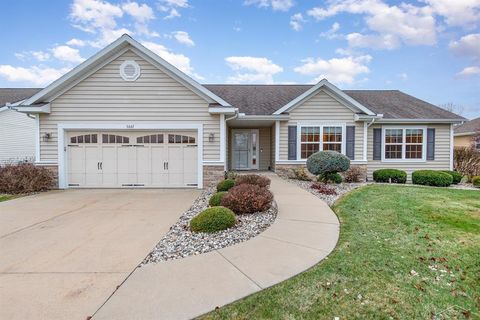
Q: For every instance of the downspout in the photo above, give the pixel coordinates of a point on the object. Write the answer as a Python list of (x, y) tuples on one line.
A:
[(235, 116)]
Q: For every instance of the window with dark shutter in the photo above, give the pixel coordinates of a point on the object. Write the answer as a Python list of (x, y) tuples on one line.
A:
[(292, 142), (377, 144), (350, 139), (431, 144)]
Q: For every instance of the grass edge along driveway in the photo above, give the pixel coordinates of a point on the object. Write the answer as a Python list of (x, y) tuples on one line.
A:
[(404, 252)]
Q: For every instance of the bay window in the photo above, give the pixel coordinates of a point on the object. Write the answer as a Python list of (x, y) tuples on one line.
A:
[(404, 144), (318, 138)]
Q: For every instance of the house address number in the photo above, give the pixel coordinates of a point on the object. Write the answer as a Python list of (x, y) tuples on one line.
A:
[(130, 126)]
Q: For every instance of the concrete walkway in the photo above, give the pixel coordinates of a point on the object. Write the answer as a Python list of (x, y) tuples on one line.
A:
[(305, 232)]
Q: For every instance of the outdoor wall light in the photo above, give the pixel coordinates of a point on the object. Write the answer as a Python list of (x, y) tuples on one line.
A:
[(46, 137), (211, 137)]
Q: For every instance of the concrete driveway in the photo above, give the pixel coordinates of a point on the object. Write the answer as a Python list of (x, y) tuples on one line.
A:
[(62, 253)]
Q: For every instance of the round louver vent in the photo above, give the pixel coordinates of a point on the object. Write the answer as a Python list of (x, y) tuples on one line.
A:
[(130, 70)]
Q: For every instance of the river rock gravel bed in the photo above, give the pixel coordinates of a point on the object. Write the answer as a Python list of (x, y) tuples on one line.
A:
[(180, 242), (340, 189)]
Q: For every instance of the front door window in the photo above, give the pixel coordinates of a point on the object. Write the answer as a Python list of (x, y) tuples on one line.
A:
[(245, 149)]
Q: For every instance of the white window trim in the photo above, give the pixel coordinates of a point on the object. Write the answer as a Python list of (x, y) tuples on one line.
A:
[(404, 143), (321, 125), (63, 128)]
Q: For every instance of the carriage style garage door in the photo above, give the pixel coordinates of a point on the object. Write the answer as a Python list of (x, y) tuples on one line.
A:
[(132, 159)]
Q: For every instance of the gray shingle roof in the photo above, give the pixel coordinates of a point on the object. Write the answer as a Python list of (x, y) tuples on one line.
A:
[(469, 126), (266, 99), (11, 95)]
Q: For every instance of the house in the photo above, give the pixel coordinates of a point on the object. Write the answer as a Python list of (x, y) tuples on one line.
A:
[(125, 117), (468, 134), (17, 130)]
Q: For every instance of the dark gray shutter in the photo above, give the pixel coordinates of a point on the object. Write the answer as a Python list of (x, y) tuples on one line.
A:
[(350, 139), (377, 144), (292, 142), (431, 144)]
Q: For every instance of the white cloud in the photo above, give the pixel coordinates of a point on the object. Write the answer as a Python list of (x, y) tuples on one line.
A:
[(76, 42), (337, 70), (37, 55), (296, 21), (38, 76), (462, 13), (277, 5), (252, 69), (171, 6), (183, 38), (66, 53), (468, 46), (332, 32), (180, 61), (385, 41), (469, 72), (410, 24), (90, 15), (142, 14)]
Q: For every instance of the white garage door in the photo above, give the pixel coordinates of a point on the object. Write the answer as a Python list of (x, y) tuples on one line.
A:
[(132, 159)]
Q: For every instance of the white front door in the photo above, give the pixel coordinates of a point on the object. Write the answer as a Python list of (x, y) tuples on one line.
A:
[(245, 148), (132, 159)]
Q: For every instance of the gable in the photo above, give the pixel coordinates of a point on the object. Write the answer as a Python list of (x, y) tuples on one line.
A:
[(106, 86), (118, 47), (321, 106)]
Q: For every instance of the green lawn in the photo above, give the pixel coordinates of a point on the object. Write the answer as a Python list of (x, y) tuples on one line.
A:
[(5, 197), (404, 253)]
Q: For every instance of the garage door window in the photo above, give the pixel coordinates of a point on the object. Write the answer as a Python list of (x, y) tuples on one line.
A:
[(153, 138), (86, 138), (111, 138), (177, 138)]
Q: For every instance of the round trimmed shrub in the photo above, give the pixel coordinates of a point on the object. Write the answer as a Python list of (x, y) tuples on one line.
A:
[(213, 219), (255, 179), (225, 185), (476, 181), (216, 199), (431, 178), (390, 175), (248, 198), (457, 176), (330, 178), (324, 162)]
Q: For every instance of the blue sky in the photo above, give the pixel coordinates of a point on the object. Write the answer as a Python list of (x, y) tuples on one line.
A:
[(428, 48)]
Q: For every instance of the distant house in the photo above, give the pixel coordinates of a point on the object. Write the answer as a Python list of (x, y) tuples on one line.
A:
[(468, 134), (17, 130)]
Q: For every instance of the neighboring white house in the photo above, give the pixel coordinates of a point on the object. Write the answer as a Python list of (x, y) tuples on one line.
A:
[(17, 130)]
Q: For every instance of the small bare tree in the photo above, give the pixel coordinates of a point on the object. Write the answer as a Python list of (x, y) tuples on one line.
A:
[(452, 107)]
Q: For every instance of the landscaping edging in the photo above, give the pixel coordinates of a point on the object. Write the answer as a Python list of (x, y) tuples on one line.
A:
[(340, 189), (180, 242)]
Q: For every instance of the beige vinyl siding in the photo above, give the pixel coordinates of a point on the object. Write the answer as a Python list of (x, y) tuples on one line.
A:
[(264, 151), (442, 153), (321, 107), (17, 137), (155, 97)]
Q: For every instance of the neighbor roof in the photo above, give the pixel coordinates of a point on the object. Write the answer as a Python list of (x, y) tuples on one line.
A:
[(11, 95), (471, 126), (266, 99)]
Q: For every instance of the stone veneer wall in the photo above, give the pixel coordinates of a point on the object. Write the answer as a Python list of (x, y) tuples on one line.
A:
[(285, 170), (212, 175)]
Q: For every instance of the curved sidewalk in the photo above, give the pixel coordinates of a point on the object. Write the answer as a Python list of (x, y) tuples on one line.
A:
[(305, 232)]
